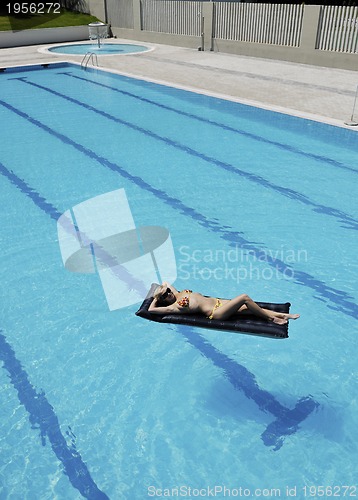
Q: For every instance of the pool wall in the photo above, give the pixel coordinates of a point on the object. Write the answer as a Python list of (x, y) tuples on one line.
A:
[(43, 35)]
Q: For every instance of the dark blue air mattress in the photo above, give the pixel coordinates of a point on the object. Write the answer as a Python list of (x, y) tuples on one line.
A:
[(238, 323)]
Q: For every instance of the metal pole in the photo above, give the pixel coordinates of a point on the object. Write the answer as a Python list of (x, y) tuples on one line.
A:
[(200, 15), (105, 11), (202, 32), (353, 123)]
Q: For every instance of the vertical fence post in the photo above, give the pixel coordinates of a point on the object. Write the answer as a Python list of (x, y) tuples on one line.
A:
[(207, 13), (310, 27), (137, 18)]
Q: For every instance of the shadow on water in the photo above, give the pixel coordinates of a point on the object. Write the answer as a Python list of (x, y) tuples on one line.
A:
[(287, 421)]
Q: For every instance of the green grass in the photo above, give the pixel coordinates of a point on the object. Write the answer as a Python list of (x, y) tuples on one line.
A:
[(51, 20)]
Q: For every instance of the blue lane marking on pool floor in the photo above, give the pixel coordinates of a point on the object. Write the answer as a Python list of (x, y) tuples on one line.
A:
[(42, 414), (30, 192), (350, 222), (286, 423), (341, 300), (244, 133)]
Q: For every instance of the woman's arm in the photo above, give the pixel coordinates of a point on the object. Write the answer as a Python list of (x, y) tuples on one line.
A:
[(173, 308), (169, 285)]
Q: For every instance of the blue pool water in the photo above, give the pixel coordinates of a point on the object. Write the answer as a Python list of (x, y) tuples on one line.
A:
[(101, 404), (103, 49)]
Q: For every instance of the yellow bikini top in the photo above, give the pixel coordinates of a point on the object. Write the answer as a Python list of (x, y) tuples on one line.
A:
[(184, 302)]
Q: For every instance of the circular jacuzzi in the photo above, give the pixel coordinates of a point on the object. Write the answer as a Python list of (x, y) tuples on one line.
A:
[(105, 49)]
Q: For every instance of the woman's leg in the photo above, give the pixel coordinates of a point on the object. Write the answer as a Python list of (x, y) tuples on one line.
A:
[(282, 315), (242, 303)]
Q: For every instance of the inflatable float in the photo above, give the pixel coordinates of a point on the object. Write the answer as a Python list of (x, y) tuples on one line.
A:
[(239, 323)]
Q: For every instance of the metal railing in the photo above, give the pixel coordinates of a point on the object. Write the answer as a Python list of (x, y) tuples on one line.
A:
[(352, 122), (174, 17), (338, 29), (90, 57), (276, 24)]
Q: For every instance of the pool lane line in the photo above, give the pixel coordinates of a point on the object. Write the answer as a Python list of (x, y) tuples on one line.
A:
[(286, 423), (42, 415), (101, 254), (342, 217), (244, 133), (339, 299), (30, 192), (287, 420)]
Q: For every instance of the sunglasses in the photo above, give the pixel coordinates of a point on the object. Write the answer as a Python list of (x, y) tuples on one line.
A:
[(165, 294)]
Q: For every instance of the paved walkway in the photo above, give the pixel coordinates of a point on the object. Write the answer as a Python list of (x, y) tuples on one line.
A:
[(325, 94)]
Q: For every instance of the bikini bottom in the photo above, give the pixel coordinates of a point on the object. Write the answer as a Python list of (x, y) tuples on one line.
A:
[(217, 305)]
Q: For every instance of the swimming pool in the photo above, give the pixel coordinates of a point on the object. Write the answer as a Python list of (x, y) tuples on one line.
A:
[(103, 404)]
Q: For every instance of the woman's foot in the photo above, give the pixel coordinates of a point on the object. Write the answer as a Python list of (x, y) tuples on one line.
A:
[(291, 316), (282, 318), (278, 320)]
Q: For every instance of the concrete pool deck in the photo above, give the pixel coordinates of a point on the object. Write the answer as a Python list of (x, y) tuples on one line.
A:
[(324, 94)]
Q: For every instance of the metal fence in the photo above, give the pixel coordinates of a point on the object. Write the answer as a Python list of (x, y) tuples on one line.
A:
[(271, 24), (174, 17), (338, 29), (276, 24)]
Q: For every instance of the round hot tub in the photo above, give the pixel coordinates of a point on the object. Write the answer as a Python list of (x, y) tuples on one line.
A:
[(105, 49)]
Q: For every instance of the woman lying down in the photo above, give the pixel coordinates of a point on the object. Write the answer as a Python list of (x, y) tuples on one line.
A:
[(167, 300)]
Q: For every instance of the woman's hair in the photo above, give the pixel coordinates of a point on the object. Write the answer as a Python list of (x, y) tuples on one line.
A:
[(157, 295), (161, 303)]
